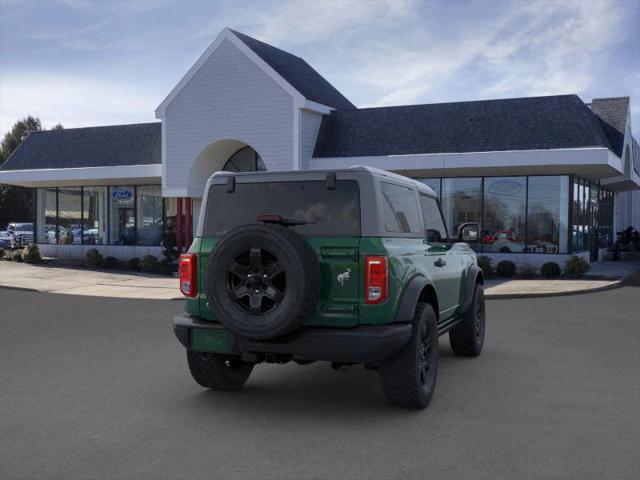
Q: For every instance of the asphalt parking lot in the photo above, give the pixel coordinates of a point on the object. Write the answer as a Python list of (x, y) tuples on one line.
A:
[(98, 388)]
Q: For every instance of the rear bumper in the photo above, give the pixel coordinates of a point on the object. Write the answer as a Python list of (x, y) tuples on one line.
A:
[(358, 344)]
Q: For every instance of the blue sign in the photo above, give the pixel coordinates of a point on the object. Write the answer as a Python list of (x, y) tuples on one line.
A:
[(122, 194)]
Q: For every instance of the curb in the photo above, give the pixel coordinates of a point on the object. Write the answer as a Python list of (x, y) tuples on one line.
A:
[(506, 296), (25, 289), (488, 296)]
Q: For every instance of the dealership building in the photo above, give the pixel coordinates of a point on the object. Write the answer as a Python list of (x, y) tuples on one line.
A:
[(546, 177)]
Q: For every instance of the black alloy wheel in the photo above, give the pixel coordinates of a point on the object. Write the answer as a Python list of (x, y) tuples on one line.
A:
[(257, 281)]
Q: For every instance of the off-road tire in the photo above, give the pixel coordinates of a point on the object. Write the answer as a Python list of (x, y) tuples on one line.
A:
[(467, 338), (403, 381), (301, 268), (218, 372)]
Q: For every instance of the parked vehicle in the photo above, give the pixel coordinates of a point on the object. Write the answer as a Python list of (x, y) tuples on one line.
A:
[(348, 266), (18, 235)]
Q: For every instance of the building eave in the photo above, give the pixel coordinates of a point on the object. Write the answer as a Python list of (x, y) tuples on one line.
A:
[(593, 163), (85, 176)]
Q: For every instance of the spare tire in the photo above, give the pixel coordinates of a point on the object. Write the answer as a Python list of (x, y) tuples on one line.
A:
[(262, 281)]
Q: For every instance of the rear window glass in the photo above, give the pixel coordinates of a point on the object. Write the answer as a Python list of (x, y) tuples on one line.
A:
[(327, 212)]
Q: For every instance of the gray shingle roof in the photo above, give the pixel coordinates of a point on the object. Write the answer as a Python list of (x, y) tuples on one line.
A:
[(613, 115), (532, 123), (114, 145), (298, 73)]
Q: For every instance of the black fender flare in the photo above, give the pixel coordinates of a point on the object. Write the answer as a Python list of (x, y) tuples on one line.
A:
[(473, 275), (410, 297)]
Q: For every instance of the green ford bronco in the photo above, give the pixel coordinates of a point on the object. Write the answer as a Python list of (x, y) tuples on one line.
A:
[(348, 266)]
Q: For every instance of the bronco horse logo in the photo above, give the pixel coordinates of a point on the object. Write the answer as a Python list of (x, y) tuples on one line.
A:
[(344, 276)]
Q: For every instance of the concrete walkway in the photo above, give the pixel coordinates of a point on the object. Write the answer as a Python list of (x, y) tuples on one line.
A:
[(75, 281), (545, 288)]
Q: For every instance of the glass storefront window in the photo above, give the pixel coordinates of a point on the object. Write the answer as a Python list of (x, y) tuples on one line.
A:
[(122, 218), (69, 216), (461, 203), (149, 215), (547, 215), (504, 215), (171, 219), (46, 216), (94, 215)]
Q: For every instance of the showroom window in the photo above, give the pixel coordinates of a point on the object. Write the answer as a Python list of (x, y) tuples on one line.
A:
[(461, 203), (69, 216), (122, 216), (171, 216), (46, 215), (504, 215), (399, 209), (149, 215), (547, 214), (495, 202), (94, 215)]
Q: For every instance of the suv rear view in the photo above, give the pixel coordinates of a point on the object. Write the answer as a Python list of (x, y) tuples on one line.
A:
[(307, 266)]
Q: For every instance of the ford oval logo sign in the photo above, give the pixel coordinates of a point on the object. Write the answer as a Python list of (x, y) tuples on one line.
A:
[(506, 187), (122, 194)]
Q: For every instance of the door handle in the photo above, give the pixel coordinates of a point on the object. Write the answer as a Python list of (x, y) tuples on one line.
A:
[(439, 263)]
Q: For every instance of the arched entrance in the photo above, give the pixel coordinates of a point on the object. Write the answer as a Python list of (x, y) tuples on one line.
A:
[(244, 160), (228, 155)]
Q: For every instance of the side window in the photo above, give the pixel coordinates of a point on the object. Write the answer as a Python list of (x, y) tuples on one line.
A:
[(435, 231), (400, 209)]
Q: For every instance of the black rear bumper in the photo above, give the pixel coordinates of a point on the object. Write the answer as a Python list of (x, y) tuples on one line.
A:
[(369, 343)]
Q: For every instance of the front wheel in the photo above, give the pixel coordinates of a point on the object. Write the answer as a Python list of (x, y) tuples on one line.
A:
[(409, 379), (218, 372)]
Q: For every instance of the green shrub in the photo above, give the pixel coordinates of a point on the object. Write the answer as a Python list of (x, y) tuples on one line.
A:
[(506, 268), (16, 256), (31, 254), (94, 259), (485, 265), (149, 263), (165, 268), (527, 271), (110, 262), (1, 254), (576, 267), (133, 263), (550, 270)]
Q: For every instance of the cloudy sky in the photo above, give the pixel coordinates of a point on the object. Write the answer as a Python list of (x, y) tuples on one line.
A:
[(84, 63)]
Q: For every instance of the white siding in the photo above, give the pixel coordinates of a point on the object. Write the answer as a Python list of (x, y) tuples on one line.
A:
[(228, 98), (309, 126)]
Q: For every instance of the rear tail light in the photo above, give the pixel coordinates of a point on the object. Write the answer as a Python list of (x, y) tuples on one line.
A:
[(188, 275), (376, 280)]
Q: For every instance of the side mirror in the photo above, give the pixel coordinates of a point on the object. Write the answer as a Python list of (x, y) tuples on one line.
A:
[(469, 232)]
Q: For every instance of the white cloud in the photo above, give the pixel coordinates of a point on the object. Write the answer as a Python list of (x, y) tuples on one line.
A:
[(73, 101), (534, 48), (315, 21)]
